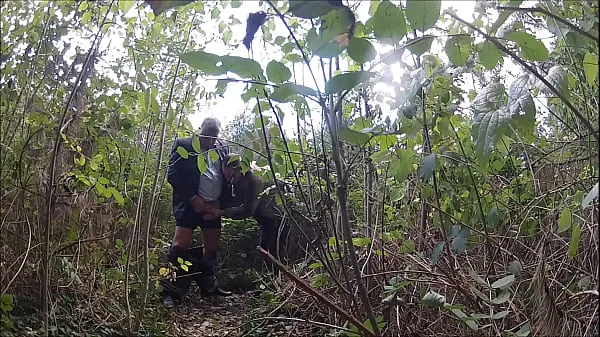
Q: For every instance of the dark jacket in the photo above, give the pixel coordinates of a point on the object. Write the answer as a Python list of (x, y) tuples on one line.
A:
[(257, 199), (184, 177)]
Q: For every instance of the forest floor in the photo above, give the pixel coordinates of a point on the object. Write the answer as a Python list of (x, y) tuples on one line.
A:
[(232, 316)]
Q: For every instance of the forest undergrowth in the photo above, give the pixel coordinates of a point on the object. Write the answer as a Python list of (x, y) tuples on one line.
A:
[(440, 165)]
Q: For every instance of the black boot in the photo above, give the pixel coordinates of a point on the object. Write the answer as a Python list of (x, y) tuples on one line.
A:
[(207, 279), (176, 284)]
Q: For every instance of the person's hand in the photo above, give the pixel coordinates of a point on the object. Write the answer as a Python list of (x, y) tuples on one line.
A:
[(213, 214), (198, 204)]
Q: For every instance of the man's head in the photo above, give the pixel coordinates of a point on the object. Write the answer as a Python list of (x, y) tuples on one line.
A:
[(231, 166), (209, 131)]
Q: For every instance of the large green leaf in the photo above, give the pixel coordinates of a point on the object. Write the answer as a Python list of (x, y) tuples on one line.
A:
[(201, 163), (565, 220), (491, 116), (575, 238), (591, 196), (433, 300), (389, 24), (530, 47), (590, 67), (310, 9), (182, 152), (423, 15), (427, 167), (207, 63), (243, 67), (160, 6), (203, 61), (504, 282), (520, 100), (286, 92), (361, 50), (458, 49), (354, 137), (320, 46), (558, 78), (469, 321), (489, 54), (346, 81), (503, 15), (196, 144), (277, 72), (420, 45)]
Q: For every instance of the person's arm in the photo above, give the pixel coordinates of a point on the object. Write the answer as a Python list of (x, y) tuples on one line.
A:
[(176, 176), (248, 206)]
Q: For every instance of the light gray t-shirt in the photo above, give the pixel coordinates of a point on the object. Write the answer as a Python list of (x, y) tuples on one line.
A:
[(211, 181)]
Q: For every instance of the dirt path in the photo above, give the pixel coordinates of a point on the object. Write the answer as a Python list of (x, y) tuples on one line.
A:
[(209, 317)]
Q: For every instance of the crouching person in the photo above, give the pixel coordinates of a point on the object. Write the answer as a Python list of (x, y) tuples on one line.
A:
[(256, 201)]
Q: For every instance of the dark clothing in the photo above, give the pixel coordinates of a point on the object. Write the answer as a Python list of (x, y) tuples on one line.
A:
[(201, 271), (184, 177), (258, 201)]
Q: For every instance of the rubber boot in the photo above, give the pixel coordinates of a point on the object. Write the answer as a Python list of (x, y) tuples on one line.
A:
[(176, 284), (207, 280)]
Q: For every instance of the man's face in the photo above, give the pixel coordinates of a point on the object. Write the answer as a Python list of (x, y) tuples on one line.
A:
[(208, 142), (231, 172)]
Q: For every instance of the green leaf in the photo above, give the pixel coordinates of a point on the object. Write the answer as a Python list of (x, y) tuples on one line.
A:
[(321, 46), (433, 300), (458, 49), (558, 78), (160, 6), (491, 117), (423, 15), (214, 14), (354, 137), (277, 72), (310, 9), (524, 331), (118, 197), (241, 66), (504, 282), (493, 217), (182, 152), (515, 268), (565, 220), (420, 45), (346, 81), (180, 260), (201, 163), (469, 321), (184, 267), (361, 50), (503, 15), (489, 55), (530, 48), (575, 238), (286, 91), (125, 5), (437, 251), (590, 67), (591, 196), (7, 299), (519, 98), (389, 24), (213, 155), (196, 144), (427, 167), (501, 314), (203, 61), (459, 242)]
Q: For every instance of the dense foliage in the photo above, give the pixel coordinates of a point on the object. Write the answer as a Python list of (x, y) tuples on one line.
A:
[(442, 170)]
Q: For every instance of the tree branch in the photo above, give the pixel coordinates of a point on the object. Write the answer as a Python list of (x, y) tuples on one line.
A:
[(529, 68), (315, 293), (552, 15)]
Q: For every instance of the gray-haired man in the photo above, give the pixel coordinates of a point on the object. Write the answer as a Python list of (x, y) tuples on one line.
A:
[(195, 195)]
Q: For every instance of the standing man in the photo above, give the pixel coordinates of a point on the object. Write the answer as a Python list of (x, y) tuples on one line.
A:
[(196, 194)]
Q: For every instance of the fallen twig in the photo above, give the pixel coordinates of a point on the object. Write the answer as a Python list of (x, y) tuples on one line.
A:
[(315, 293)]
